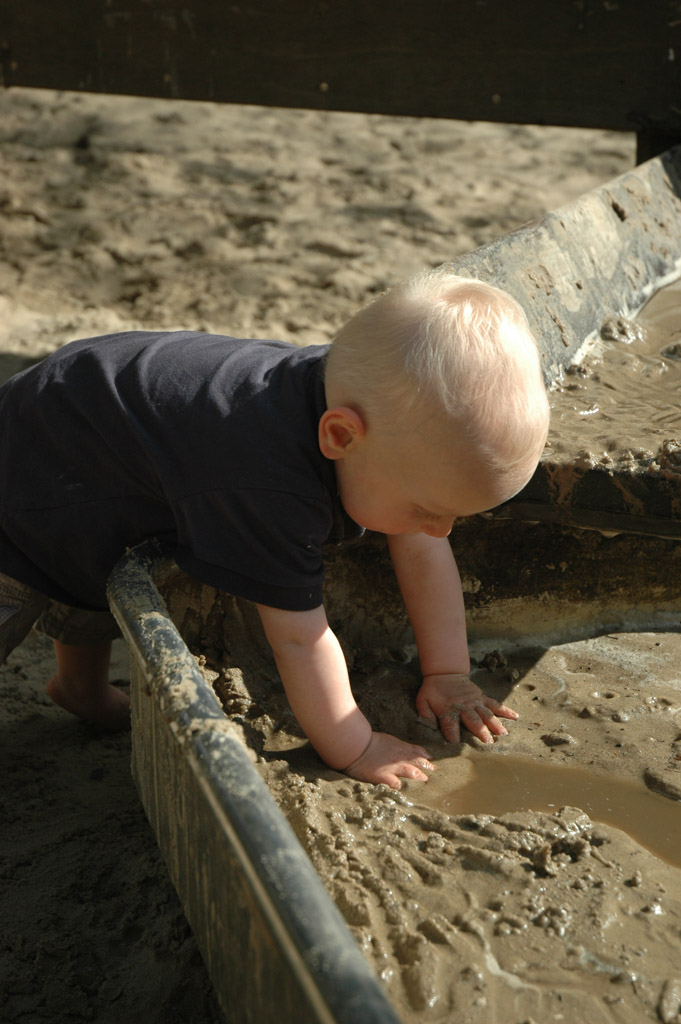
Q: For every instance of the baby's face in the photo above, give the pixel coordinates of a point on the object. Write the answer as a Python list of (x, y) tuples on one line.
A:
[(398, 490)]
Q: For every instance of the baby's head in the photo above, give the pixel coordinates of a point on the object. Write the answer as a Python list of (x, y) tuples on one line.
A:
[(439, 378)]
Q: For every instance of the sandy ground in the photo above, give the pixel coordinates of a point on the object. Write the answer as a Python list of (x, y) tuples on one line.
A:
[(119, 213)]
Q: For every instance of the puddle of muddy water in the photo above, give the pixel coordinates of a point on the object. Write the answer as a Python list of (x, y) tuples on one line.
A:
[(502, 784)]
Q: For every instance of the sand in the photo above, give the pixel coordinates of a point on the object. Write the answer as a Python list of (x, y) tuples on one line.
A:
[(119, 213)]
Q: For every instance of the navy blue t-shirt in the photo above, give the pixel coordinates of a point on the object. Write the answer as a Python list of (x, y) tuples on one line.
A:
[(204, 441)]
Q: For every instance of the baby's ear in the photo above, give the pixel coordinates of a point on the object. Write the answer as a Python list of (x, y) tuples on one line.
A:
[(340, 430)]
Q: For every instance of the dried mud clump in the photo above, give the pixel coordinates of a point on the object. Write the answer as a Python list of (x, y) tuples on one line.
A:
[(619, 328)]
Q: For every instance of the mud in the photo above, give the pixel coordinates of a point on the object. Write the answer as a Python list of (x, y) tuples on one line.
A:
[(538, 878), (613, 458), (516, 783), (620, 403)]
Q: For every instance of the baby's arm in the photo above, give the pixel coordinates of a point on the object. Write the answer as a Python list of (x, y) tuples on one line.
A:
[(315, 676), (431, 588)]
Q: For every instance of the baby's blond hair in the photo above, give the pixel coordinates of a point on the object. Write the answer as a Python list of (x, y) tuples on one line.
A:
[(447, 348)]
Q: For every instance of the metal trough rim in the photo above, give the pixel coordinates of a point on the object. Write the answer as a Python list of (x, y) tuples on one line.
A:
[(303, 920)]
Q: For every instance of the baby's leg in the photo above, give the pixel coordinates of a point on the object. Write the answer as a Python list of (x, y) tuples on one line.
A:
[(82, 685)]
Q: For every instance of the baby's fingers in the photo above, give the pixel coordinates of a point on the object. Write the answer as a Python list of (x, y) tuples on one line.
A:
[(388, 759), (475, 724), (492, 722), (406, 770), (502, 710), (450, 726), (483, 723)]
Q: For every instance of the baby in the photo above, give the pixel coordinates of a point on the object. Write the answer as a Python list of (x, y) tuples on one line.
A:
[(246, 457)]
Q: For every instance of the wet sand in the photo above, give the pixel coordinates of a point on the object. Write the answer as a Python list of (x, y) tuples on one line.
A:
[(620, 404), (538, 877), (118, 213)]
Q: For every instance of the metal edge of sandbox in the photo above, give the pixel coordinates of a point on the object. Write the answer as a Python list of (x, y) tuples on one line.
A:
[(274, 944), (601, 255)]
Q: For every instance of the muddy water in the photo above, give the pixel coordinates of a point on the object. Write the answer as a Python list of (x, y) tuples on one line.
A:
[(624, 399), (507, 784)]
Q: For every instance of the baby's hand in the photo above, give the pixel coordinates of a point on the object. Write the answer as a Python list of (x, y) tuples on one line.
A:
[(388, 759), (451, 699)]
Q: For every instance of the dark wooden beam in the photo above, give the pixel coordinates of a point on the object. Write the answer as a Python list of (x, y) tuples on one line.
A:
[(593, 63), (652, 143)]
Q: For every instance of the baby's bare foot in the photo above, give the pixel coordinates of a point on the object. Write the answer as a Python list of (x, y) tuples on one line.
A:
[(108, 706)]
